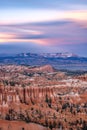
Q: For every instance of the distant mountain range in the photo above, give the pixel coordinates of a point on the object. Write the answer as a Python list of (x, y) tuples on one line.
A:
[(61, 61), (50, 55)]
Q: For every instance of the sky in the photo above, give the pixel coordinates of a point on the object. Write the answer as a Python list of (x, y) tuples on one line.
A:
[(43, 26)]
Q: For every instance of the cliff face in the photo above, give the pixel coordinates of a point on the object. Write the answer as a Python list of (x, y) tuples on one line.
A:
[(27, 95)]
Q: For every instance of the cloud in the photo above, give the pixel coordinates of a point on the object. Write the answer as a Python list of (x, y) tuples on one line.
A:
[(18, 16), (51, 33)]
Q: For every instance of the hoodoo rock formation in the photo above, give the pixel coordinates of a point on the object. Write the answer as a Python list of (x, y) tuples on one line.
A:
[(25, 95)]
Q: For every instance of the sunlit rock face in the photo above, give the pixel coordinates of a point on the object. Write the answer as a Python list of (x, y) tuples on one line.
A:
[(27, 95)]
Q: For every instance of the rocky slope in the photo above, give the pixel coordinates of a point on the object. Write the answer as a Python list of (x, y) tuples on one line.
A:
[(17, 125)]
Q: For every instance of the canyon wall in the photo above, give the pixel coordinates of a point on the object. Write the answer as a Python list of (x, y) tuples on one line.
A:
[(27, 95)]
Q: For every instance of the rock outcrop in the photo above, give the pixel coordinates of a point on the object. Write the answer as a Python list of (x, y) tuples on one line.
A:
[(43, 69), (27, 95)]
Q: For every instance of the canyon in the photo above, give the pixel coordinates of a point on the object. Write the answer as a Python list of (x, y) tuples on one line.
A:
[(42, 98)]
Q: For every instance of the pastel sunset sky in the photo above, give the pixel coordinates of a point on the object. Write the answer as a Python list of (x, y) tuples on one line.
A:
[(43, 26)]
